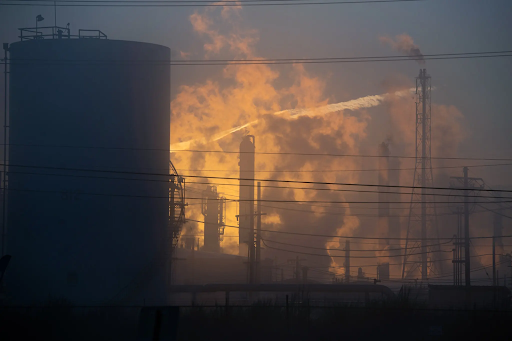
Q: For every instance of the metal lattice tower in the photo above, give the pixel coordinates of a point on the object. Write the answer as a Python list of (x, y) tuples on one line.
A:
[(422, 222), (176, 206)]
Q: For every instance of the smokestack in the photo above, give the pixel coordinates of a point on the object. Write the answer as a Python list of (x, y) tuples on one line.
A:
[(246, 191), (383, 199), (211, 209)]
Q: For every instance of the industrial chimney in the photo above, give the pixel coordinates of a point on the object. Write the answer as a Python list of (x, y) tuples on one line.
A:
[(246, 204)]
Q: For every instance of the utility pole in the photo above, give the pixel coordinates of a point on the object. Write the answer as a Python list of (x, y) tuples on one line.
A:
[(305, 274), (454, 256), (296, 262), (457, 258), (297, 273), (467, 264), (493, 261), (347, 261), (254, 241), (258, 233), (423, 178), (466, 185), (252, 253), (4, 173)]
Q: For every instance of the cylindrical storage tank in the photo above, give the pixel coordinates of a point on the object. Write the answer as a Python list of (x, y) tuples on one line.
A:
[(89, 134)]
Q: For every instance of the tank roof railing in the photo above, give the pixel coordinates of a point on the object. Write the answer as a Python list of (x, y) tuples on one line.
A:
[(91, 34), (56, 32)]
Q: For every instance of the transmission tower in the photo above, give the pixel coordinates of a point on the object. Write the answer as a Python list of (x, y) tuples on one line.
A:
[(420, 256)]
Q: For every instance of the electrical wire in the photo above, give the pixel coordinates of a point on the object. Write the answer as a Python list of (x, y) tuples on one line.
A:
[(342, 201), (342, 183), (340, 256), (352, 250), (274, 61), (362, 214), (253, 179), (188, 3), (495, 212), (340, 155), (351, 190), (348, 237), (273, 153), (263, 186), (339, 170)]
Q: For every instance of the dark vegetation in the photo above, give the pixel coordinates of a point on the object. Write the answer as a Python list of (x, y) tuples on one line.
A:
[(264, 320)]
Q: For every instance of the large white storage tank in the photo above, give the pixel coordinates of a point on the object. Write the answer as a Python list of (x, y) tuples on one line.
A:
[(89, 131)]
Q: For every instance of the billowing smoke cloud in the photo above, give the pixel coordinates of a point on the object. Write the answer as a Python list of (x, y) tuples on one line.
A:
[(288, 110), (404, 43)]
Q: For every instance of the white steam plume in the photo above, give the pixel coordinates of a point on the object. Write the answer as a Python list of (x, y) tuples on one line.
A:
[(354, 104)]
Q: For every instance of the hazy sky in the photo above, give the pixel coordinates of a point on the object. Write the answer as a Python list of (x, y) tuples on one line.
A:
[(479, 88)]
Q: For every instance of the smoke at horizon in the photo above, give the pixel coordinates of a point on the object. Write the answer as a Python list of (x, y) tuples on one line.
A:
[(404, 44)]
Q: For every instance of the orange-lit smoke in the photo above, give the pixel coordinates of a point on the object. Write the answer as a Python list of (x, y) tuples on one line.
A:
[(215, 114)]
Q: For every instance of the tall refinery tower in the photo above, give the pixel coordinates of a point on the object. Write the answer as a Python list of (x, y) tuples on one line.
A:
[(422, 211), (246, 204)]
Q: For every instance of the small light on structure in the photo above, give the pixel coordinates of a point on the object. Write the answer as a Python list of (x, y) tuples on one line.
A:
[(38, 19)]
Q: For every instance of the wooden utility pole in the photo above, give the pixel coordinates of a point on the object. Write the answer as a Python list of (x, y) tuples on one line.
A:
[(466, 185), (347, 261), (467, 259), (493, 261), (258, 235)]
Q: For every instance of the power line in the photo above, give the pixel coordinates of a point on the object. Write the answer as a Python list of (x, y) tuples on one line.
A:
[(238, 2), (275, 61), (333, 213), (281, 153), (344, 201), (200, 191), (400, 278), (89, 193), (495, 212), (360, 215), (356, 191), (355, 250), (349, 237), (343, 256), (193, 3), (200, 198), (341, 170), (265, 186), (340, 183), (311, 61), (340, 155), (237, 179)]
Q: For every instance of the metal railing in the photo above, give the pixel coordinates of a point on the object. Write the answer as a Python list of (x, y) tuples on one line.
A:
[(91, 34), (56, 32)]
